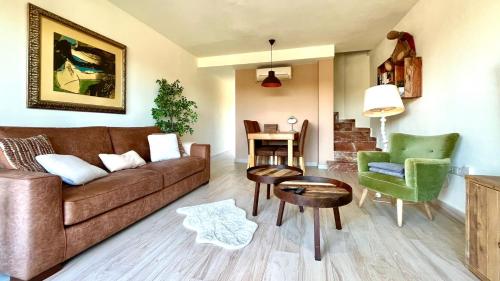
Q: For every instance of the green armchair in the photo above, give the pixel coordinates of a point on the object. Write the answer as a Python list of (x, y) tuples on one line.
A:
[(426, 162)]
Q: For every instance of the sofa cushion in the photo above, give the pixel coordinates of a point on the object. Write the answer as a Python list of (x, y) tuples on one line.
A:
[(116, 189), (125, 139), (175, 170), (85, 143)]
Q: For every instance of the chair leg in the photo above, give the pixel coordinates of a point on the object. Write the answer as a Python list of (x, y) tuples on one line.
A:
[(399, 206), (428, 210), (363, 197), (302, 164)]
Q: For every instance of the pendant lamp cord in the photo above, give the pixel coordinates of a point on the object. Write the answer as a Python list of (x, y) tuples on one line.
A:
[(271, 56), (271, 42)]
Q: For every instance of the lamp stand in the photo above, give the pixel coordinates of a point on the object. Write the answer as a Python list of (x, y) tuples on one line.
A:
[(382, 131), (384, 142)]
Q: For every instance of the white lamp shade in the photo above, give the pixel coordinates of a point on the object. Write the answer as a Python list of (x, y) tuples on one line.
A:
[(382, 100)]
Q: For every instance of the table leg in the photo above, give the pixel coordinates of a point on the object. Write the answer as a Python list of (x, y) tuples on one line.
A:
[(290, 152), (252, 153), (317, 246), (268, 191), (336, 214), (280, 213), (256, 199), (301, 209)]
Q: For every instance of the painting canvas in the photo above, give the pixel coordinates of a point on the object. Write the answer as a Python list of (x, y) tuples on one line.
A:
[(80, 68), (73, 68)]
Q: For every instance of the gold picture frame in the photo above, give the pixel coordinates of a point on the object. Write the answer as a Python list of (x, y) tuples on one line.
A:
[(73, 68)]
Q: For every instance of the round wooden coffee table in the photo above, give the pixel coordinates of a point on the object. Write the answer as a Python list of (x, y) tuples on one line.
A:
[(269, 174), (318, 193)]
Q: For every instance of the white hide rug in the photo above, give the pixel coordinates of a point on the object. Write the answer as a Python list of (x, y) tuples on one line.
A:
[(220, 223)]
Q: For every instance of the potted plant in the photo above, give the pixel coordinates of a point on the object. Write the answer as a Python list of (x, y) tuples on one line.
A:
[(174, 113)]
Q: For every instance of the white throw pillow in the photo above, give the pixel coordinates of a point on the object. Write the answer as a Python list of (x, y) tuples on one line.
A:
[(163, 147), (187, 147), (117, 162), (71, 169)]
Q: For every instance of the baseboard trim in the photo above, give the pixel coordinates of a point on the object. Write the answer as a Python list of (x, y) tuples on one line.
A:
[(219, 153), (450, 211), (323, 166)]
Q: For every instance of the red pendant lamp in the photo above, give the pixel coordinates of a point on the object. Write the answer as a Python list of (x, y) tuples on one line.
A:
[(271, 80)]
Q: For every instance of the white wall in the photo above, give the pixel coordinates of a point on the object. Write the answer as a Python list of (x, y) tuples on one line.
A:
[(459, 42), (352, 78), (150, 56)]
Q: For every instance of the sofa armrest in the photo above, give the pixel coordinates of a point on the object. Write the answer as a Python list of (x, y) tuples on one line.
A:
[(426, 176), (32, 237), (203, 151), (200, 150), (365, 157)]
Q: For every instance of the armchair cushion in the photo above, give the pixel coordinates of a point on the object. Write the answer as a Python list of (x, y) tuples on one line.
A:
[(387, 185), (398, 168), (387, 172)]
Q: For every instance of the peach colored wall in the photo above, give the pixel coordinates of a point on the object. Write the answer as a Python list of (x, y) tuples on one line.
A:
[(325, 112), (297, 97)]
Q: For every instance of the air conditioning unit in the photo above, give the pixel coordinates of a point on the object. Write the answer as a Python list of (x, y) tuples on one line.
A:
[(284, 72)]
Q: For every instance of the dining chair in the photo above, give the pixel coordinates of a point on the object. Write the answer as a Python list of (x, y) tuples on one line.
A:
[(271, 128), (260, 149), (298, 151)]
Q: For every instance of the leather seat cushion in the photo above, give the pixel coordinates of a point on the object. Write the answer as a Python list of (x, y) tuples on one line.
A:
[(175, 170), (118, 188)]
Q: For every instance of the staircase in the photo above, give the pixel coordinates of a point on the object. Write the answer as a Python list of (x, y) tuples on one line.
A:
[(348, 140)]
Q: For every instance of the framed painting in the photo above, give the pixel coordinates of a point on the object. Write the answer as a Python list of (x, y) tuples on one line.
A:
[(73, 68)]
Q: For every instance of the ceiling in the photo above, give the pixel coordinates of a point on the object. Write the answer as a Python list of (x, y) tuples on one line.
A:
[(220, 27)]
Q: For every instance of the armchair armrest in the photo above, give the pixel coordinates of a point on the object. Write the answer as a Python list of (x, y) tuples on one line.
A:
[(32, 239), (426, 176), (203, 151), (365, 157)]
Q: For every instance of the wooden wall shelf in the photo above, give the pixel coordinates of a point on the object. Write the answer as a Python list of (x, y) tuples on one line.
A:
[(407, 76)]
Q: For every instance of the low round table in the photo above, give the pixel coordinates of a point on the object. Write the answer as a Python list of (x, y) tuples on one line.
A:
[(269, 174), (318, 193)]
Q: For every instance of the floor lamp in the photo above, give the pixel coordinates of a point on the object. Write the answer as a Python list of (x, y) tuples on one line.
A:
[(382, 101)]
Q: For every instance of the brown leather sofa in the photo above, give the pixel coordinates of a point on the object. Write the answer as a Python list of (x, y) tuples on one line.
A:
[(44, 222)]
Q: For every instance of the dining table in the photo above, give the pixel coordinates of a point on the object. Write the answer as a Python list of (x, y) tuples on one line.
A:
[(284, 136)]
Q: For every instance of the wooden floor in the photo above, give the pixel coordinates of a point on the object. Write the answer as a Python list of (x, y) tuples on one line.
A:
[(369, 247)]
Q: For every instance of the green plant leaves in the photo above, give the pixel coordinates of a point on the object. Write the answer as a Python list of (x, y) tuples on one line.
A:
[(174, 113)]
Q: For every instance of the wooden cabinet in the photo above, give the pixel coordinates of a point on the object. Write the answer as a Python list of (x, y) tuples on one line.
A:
[(483, 227)]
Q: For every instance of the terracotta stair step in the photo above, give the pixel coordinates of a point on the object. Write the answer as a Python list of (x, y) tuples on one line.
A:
[(354, 146), (344, 126), (341, 166), (353, 136), (345, 156), (346, 121), (361, 129)]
